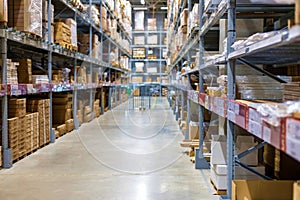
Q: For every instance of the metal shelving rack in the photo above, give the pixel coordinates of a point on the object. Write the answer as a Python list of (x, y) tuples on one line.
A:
[(55, 52), (160, 60), (282, 48)]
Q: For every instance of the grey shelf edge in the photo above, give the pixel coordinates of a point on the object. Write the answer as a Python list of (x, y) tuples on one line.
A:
[(191, 41), (149, 60), (149, 74), (149, 46), (149, 32), (21, 38), (284, 38)]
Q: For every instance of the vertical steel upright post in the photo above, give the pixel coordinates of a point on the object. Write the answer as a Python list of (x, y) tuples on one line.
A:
[(200, 161), (231, 35), (7, 153), (75, 92), (52, 133), (91, 57)]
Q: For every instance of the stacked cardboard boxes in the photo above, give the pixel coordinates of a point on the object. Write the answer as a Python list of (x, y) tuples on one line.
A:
[(62, 35), (73, 28), (84, 44), (97, 109), (26, 15), (3, 12), (42, 106), (87, 117), (70, 125), (12, 124), (12, 72), (62, 108), (24, 70), (17, 108), (32, 132)]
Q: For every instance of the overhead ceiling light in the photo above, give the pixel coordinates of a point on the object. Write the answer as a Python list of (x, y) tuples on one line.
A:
[(142, 2), (140, 8), (164, 8)]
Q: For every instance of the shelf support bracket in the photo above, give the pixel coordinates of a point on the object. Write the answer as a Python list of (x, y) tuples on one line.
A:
[(245, 62)]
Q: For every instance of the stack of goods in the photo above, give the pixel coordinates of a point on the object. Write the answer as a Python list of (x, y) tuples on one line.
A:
[(81, 110), (26, 16), (73, 27), (114, 57), (139, 53), (291, 91), (57, 76), (152, 39), (32, 132), (139, 40), (137, 79), (12, 73), (166, 24), (139, 20), (151, 24), (3, 12), (62, 35), (104, 19), (61, 109), (124, 62), (87, 116), (77, 4), (81, 75), (95, 15), (24, 70), (97, 109), (45, 21), (164, 92), (193, 18), (42, 106), (12, 124), (36, 79), (84, 44), (17, 108), (70, 125)]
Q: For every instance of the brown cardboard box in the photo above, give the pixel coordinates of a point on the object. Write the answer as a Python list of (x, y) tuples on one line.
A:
[(296, 191), (73, 28), (3, 11), (26, 15), (266, 190)]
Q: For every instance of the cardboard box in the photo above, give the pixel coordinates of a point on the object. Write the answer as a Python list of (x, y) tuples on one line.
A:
[(139, 40), (218, 175), (3, 11), (26, 15), (184, 17), (267, 190), (152, 39), (151, 24), (296, 191), (272, 134), (139, 20), (292, 144), (218, 150), (193, 130)]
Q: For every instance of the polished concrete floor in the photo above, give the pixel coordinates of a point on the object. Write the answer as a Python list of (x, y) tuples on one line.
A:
[(125, 154)]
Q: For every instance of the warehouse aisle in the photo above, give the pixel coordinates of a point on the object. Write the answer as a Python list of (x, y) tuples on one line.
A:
[(125, 154)]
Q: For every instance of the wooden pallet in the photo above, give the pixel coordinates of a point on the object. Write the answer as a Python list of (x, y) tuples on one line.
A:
[(218, 192), (32, 35), (74, 48), (65, 45), (139, 57)]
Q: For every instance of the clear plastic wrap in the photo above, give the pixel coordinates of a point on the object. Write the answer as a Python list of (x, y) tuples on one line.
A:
[(26, 15), (273, 1)]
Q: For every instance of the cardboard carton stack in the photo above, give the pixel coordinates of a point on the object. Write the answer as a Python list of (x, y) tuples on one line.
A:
[(12, 124), (17, 108), (3, 12), (61, 109), (193, 18), (73, 28), (32, 132), (42, 106), (24, 70), (97, 108), (84, 44), (62, 35), (152, 24), (87, 117), (70, 125), (26, 16), (104, 20), (12, 72), (291, 91)]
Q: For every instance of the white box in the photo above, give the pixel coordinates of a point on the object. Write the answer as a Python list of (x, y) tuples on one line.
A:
[(193, 130), (139, 67), (152, 70), (152, 39), (139, 20), (218, 150), (218, 175), (139, 40)]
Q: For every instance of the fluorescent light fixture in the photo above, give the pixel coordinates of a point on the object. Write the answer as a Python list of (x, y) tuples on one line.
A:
[(142, 2), (140, 8), (164, 8)]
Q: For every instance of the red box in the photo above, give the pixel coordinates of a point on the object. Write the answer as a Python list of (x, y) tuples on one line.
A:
[(273, 134), (291, 138), (202, 99), (238, 113)]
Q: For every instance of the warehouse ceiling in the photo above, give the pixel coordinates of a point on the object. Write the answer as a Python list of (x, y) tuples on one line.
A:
[(150, 4)]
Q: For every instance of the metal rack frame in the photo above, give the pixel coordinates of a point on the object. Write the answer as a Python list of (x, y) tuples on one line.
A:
[(51, 50)]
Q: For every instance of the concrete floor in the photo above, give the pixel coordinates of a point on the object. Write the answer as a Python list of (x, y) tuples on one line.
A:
[(122, 155)]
